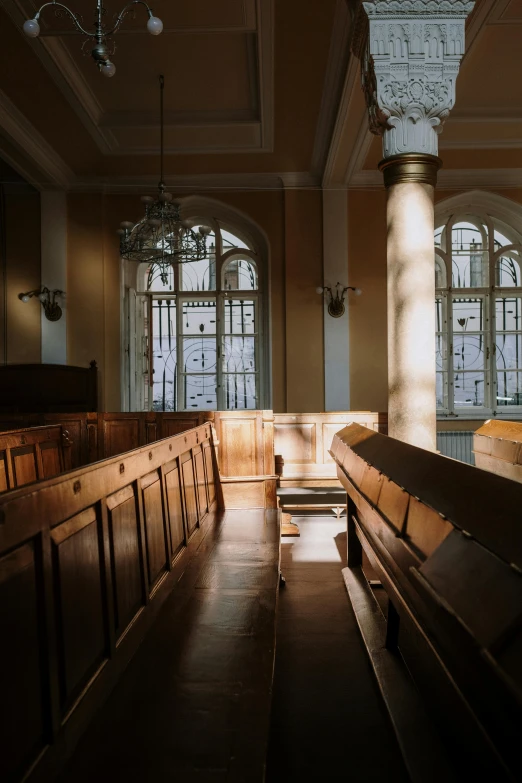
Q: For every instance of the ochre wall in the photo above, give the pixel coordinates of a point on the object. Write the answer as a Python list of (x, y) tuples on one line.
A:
[(367, 313), (292, 222), (22, 327)]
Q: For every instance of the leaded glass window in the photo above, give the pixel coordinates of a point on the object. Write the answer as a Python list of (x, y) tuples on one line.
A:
[(200, 338), (478, 316)]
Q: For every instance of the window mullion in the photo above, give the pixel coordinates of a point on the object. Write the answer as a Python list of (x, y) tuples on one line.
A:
[(451, 382)]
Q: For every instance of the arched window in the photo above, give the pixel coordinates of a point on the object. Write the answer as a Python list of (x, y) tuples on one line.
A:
[(199, 328), (478, 262)]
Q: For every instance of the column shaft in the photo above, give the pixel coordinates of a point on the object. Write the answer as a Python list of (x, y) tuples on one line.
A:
[(411, 314)]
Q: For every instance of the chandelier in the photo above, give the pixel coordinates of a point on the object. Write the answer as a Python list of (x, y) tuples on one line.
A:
[(103, 47), (161, 237)]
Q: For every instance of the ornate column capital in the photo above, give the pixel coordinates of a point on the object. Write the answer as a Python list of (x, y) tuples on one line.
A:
[(410, 53)]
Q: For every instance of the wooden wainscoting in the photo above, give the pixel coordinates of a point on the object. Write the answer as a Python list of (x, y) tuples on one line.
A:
[(33, 454), (304, 441), (86, 560)]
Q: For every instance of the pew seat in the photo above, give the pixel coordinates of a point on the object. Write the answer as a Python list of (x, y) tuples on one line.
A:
[(194, 704)]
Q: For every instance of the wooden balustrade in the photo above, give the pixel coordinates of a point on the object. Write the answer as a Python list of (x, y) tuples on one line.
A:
[(86, 560), (497, 447), (445, 540), (33, 454)]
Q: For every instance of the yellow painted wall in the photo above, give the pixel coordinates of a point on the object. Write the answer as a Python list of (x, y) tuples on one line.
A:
[(20, 331), (293, 225)]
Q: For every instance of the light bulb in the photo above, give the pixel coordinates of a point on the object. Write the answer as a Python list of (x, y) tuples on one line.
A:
[(147, 200), (357, 292), (24, 298), (42, 297), (164, 196), (31, 28), (126, 224), (154, 25), (108, 69), (319, 289)]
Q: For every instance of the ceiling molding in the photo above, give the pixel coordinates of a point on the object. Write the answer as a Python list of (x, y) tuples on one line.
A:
[(482, 144), (24, 136), (265, 54), (338, 57), (449, 179), (351, 82), (198, 182), (258, 23)]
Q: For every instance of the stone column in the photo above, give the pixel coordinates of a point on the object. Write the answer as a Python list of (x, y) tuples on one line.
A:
[(410, 53)]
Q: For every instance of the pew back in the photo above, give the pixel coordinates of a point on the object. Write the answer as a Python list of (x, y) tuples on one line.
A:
[(33, 454), (446, 541), (85, 561), (497, 447)]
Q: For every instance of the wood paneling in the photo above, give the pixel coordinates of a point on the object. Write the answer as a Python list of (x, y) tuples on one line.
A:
[(30, 454), (189, 490), (85, 559), (497, 447), (127, 563), (82, 637), (47, 387), (176, 524), (155, 526), (22, 714), (304, 441)]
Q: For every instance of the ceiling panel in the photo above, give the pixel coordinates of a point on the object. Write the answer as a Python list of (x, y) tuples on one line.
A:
[(175, 14), (513, 11)]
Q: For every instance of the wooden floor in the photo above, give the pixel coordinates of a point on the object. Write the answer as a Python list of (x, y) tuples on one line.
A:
[(328, 719), (194, 703)]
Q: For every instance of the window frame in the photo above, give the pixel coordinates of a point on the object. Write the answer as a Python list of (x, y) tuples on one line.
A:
[(475, 217), (135, 289)]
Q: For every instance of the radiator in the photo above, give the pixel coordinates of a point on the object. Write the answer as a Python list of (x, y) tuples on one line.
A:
[(458, 445)]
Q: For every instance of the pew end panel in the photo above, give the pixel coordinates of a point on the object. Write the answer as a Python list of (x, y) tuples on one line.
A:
[(86, 560), (497, 447), (446, 544)]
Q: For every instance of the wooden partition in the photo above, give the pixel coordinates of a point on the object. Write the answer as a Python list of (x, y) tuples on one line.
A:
[(86, 560), (497, 447), (47, 387), (33, 454), (446, 542), (304, 441)]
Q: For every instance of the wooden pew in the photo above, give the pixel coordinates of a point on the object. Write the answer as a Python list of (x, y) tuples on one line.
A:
[(87, 560), (33, 454), (446, 542), (497, 447)]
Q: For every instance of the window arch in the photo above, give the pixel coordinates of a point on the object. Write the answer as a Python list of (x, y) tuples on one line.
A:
[(200, 326), (478, 280)]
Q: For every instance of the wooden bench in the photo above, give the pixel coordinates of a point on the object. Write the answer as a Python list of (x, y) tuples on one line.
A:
[(33, 454), (446, 543), (89, 561), (497, 447)]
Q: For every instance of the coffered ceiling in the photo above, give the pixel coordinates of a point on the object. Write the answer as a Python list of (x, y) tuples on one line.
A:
[(258, 93)]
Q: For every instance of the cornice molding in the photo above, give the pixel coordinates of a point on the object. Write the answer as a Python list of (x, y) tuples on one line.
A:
[(24, 135), (199, 183), (385, 8), (338, 57)]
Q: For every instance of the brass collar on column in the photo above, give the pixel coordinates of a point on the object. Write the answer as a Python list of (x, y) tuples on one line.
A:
[(410, 167)]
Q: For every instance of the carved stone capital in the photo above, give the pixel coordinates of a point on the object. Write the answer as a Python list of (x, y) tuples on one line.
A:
[(410, 62)]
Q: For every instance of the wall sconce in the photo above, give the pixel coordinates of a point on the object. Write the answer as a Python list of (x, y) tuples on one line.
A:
[(52, 310), (336, 306)]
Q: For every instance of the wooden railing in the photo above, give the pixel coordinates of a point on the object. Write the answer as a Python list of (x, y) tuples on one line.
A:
[(33, 454), (86, 560), (445, 540)]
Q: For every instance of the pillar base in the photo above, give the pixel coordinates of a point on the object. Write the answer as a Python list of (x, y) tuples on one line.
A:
[(410, 167)]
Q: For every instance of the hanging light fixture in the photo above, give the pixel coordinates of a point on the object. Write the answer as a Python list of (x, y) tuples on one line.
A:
[(103, 47), (161, 237)]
